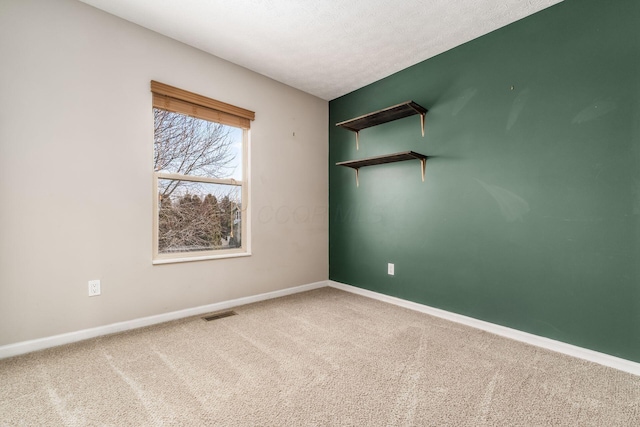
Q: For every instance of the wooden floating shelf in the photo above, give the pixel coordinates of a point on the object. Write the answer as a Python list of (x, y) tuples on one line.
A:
[(388, 158), (389, 114), (380, 160), (386, 115)]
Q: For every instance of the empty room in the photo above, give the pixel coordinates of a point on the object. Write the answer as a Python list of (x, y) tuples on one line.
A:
[(319, 213)]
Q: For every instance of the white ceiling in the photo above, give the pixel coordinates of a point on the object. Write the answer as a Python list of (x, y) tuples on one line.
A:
[(324, 47)]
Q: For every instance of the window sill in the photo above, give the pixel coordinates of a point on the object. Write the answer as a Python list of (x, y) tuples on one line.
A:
[(159, 261)]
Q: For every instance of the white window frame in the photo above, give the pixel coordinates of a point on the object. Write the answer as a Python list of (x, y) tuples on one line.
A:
[(180, 101)]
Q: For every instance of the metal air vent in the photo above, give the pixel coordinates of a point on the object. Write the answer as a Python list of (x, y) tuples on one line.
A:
[(221, 315)]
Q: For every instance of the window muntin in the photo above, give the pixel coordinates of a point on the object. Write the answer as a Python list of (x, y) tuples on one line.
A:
[(200, 177)]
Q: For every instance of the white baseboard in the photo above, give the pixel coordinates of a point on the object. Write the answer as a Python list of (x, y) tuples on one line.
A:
[(547, 343), (56, 340)]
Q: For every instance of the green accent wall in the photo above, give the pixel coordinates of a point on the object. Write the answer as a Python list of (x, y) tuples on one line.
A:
[(529, 216)]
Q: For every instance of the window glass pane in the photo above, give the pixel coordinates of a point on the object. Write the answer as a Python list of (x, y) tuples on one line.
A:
[(198, 216), (190, 146)]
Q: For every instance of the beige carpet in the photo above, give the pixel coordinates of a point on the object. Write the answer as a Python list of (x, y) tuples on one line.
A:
[(324, 357)]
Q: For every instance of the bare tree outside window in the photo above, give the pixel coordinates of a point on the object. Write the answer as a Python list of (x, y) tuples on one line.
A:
[(196, 163)]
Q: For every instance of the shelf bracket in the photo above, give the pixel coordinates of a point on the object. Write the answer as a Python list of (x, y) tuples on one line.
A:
[(357, 180), (422, 124), (423, 165), (357, 140)]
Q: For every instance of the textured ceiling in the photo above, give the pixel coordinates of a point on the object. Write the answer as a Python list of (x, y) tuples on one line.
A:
[(324, 47)]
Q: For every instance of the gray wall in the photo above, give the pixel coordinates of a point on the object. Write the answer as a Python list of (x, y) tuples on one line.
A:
[(76, 133)]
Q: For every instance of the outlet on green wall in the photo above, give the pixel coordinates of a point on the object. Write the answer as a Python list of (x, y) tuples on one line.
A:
[(529, 216)]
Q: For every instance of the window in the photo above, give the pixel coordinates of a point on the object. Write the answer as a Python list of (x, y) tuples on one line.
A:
[(200, 164)]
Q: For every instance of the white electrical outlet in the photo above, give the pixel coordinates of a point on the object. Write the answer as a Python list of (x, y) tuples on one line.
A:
[(390, 269), (94, 288)]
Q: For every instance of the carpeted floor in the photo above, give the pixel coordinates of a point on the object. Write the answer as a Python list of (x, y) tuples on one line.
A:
[(324, 357)]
